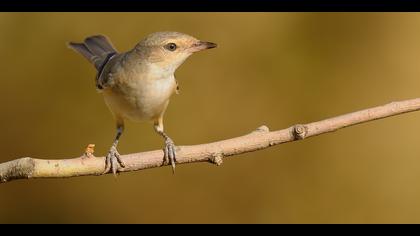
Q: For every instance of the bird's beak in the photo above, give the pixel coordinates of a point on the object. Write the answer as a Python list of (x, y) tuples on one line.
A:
[(200, 46)]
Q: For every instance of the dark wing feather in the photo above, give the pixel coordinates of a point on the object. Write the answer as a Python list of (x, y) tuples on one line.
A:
[(96, 49), (101, 80), (99, 51)]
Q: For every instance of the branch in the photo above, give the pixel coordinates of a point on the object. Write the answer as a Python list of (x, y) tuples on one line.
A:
[(87, 164)]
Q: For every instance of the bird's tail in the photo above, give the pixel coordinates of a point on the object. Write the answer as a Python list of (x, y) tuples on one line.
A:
[(96, 49)]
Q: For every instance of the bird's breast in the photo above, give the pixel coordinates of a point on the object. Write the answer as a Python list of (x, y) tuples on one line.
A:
[(140, 98)]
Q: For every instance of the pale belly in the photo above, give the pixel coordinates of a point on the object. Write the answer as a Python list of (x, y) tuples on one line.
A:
[(140, 101)]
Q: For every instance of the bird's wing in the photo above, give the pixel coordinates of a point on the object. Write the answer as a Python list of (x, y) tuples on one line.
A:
[(99, 51), (104, 75)]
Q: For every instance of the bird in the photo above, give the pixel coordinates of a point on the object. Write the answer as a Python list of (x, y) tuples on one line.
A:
[(137, 84)]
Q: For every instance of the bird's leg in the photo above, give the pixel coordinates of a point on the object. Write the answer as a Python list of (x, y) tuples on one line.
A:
[(113, 160), (169, 150)]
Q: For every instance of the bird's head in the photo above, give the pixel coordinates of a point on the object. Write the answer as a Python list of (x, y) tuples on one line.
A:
[(169, 50)]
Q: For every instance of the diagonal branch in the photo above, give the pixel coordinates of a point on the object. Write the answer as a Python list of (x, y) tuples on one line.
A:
[(87, 164)]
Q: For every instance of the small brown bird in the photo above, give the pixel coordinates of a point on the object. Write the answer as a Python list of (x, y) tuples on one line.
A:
[(138, 84)]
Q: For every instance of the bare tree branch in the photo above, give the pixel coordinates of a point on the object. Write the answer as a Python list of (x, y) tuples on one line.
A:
[(87, 164)]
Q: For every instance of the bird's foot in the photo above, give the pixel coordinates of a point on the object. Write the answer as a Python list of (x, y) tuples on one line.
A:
[(170, 153), (113, 161)]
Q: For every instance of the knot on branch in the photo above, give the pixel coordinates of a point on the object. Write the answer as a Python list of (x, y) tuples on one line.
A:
[(217, 158), (299, 131)]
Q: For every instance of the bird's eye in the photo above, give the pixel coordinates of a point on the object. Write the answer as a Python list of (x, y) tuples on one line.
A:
[(171, 47)]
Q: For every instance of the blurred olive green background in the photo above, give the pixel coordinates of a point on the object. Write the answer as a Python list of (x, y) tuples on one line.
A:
[(276, 69)]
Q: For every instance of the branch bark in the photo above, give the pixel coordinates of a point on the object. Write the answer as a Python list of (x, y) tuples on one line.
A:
[(87, 164)]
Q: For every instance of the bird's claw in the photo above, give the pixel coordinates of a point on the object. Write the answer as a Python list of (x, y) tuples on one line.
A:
[(170, 153), (113, 161)]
